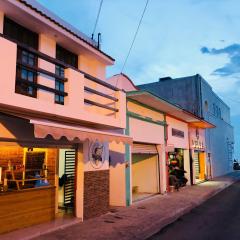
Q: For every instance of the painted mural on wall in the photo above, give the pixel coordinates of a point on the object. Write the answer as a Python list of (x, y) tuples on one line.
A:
[(97, 154)]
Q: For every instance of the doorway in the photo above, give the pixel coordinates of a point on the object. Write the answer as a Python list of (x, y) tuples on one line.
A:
[(199, 166), (66, 183)]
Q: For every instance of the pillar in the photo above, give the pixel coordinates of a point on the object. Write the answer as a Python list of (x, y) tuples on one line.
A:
[(186, 157), (117, 174), (79, 182), (1, 21), (162, 168)]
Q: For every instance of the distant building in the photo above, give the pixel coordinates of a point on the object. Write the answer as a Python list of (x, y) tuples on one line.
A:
[(194, 94)]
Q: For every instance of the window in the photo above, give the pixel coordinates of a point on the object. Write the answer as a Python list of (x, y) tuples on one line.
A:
[(206, 105), (214, 109), (25, 77), (17, 32), (66, 56), (59, 85)]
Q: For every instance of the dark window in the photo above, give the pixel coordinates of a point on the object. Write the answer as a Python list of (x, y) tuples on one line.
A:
[(17, 32), (66, 56), (25, 78), (59, 85)]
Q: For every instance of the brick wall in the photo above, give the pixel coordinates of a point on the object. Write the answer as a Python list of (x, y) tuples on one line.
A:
[(14, 154), (96, 193)]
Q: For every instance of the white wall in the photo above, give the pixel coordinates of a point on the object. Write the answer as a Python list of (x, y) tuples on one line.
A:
[(146, 132), (178, 142)]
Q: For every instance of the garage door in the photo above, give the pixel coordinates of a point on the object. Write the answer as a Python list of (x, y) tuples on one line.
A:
[(139, 148)]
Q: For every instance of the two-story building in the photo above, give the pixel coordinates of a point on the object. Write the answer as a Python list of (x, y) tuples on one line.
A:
[(59, 119)]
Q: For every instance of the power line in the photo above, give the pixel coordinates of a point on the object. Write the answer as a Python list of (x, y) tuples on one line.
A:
[(99, 11), (134, 38)]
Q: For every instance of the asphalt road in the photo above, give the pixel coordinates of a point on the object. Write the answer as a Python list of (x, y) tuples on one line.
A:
[(216, 219)]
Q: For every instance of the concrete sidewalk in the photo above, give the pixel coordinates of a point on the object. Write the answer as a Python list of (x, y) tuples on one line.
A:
[(144, 218)]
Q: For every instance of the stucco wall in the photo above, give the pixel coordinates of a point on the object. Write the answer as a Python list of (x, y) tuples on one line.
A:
[(44, 103), (146, 132), (217, 138), (117, 176), (178, 142)]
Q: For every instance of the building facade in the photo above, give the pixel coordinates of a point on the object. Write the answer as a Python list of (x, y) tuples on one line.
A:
[(162, 134), (195, 95), (59, 121)]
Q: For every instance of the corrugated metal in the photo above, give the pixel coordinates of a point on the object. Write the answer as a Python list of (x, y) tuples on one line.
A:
[(144, 148)]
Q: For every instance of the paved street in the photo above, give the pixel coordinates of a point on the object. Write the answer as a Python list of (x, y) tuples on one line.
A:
[(143, 219), (218, 218)]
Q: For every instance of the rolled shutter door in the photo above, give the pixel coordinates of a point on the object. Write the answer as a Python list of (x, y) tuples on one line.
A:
[(139, 148)]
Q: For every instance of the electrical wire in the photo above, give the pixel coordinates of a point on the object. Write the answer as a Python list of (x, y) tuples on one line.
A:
[(135, 35), (133, 41), (99, 11)]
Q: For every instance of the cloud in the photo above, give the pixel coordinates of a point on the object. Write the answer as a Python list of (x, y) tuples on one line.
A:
[(233, 52)]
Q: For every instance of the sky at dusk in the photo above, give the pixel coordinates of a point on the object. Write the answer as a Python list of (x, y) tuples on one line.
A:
[(177, 38)]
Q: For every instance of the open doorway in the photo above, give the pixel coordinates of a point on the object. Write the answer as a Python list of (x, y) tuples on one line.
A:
[(145, 176), (199, 166), (66, 183)]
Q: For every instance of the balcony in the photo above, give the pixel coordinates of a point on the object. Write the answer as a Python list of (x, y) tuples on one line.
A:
[(86, 99)]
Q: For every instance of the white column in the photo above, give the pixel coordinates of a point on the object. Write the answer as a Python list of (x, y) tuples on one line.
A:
[(186, 158), (79, 182), (162, 168), (1, 21)]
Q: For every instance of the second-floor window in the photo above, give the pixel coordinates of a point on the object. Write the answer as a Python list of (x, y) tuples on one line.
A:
[(69, 58), (26, 76), (59, 85)]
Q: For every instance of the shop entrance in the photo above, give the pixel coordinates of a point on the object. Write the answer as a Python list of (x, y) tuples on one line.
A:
[(199, 166), (145, 171), (66, 185)]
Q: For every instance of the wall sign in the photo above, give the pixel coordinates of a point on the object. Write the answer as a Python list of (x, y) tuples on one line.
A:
[(177, 133), (197, 143), (97, 154)]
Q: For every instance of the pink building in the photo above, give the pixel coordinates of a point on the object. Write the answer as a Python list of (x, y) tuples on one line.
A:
[(59, 119), (162, 133)]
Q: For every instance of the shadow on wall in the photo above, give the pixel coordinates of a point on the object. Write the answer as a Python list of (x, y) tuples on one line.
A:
[(116, 158)]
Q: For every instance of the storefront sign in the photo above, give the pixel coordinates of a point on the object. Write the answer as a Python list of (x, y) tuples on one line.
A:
[(177, 133), (197, 143), (97, 154)]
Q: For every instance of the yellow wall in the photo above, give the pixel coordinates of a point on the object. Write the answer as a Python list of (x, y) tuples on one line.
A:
[(145, 112), (117, 174), (202, 165), (145, 173)]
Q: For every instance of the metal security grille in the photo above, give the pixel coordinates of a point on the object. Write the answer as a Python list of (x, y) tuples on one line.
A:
[(139, 148), (196, 164), (70, 182)]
